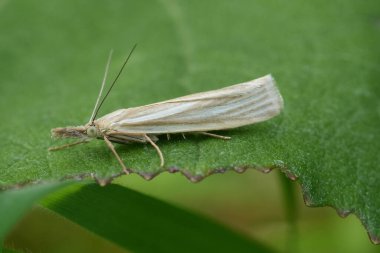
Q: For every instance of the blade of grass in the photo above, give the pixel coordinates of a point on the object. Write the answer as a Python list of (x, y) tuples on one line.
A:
[(15, 203), (141, 223), (289, 192)]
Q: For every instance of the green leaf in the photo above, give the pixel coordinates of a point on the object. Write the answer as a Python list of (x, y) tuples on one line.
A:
[(143, 224), (324, 55), (15, 203)]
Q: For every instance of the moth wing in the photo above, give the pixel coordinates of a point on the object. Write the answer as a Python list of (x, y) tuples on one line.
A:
[(230, 107)]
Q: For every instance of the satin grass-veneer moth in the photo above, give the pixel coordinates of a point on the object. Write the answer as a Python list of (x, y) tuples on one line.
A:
[(230, 107)]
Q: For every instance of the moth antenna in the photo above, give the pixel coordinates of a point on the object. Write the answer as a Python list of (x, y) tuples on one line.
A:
[(113, 83), (101, 87)]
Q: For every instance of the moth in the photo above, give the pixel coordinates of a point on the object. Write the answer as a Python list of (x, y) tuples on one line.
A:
[(230, 107)]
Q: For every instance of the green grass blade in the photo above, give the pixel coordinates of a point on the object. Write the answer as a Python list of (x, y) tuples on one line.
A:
[(291, 212), (143, 224), (15, 203)]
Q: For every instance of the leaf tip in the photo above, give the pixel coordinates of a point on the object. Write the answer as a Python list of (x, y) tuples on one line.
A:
[(147, 175), (374, 239), (343, 213)]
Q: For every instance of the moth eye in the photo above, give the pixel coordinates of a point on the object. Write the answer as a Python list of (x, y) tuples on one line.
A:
[(91, 131)]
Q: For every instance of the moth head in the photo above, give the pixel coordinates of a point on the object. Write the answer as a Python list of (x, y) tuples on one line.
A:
[(69, 132), (92, 131)]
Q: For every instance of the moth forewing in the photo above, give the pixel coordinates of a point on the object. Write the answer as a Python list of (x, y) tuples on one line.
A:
[(226, 108)]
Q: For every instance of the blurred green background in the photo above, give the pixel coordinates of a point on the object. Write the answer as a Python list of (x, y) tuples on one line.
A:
[(59, 45)]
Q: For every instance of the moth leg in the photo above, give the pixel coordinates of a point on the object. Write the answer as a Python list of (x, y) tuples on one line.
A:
[(157, 149), (68, 145), (183, 136), (216, 136), (109, 144)]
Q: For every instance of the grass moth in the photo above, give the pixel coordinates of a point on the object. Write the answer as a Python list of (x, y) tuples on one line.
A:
[(230, 107)]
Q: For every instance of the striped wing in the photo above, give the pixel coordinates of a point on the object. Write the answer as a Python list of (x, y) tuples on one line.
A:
[(230, 107)]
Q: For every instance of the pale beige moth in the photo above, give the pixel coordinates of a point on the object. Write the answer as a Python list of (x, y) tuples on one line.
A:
[(226, 108)]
